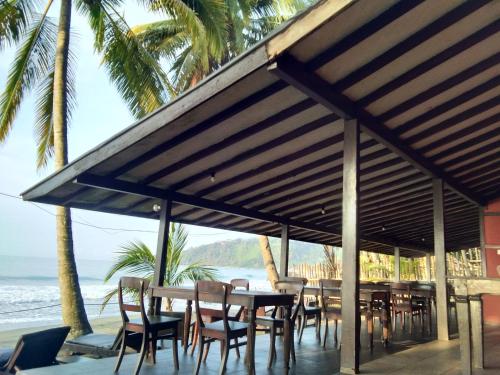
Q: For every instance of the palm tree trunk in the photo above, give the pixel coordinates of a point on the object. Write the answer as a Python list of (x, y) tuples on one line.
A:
[(73, 308), (267, 256)]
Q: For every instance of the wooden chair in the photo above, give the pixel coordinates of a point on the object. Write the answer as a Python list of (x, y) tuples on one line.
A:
[(213, 315), (275, 325), (223, 330), (404, 304), (151, 327), (33, 350), (330, 307), (307, 312)]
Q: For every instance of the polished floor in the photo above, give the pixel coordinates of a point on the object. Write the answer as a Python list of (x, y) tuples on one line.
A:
[(407, 354)]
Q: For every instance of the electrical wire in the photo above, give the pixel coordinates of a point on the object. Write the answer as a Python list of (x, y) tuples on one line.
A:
[(107, 230)]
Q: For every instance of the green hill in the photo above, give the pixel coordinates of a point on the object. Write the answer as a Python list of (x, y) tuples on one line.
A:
[(246, 253)]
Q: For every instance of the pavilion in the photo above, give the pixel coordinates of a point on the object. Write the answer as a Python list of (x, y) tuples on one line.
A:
[(370, 125)]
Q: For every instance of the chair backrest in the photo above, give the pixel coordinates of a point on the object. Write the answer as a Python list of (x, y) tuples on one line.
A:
[(137, 286), (37, 349), (216, 292), (400, 294), (294, 287), (327, 301), (240, 284)]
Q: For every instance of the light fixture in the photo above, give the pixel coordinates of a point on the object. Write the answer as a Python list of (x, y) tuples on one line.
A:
[(383, 228), (323, 210), (156, 207), (212, 177), (423, 239)]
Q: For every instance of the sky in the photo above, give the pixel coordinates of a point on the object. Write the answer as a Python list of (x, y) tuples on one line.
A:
[(27, 229)]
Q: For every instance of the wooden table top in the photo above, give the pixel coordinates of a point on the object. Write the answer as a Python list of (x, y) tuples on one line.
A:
[(251, 299)]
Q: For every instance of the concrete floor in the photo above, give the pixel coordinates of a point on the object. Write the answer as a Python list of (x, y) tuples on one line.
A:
[(407, 354)]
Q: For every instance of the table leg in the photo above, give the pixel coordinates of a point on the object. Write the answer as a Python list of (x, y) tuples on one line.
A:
[(386, 321), (250, 352), (369, 324), (287, 338), (428, 306), (187, 325)]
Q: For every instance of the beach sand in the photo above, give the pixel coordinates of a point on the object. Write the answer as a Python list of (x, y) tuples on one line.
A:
[(110, 325)]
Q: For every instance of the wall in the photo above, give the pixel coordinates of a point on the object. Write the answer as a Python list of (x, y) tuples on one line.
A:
[(492, 249)]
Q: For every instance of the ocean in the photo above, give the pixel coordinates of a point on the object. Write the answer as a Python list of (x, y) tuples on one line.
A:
[(29, 292)]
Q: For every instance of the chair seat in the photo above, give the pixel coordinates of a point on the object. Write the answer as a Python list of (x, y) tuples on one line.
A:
[(5, 355), (219, 326), (312, 310), (158, 321), (269, 321)]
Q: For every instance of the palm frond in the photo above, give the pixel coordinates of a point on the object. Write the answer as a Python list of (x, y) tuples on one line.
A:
[(44, 130), (32, 64), (135, 257), (15, 17)]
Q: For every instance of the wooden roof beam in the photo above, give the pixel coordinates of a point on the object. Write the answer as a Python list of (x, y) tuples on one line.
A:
[(152, 192), (295, 73)]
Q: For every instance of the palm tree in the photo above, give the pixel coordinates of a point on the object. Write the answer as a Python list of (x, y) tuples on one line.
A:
[(137, 258), (216, 32), (44, 63)]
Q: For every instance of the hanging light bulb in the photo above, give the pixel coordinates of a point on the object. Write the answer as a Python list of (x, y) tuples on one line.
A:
[(323, 210), (383, 228), (156, 207), (212, 177)]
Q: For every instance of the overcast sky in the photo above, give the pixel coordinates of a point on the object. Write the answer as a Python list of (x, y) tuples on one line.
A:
[(26, 229)]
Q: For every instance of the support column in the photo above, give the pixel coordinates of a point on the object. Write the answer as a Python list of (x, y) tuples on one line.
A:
[(481, 242), (428, 267), (351, 320), (440, 254), (285, 247), (397, 265), (162, 249)]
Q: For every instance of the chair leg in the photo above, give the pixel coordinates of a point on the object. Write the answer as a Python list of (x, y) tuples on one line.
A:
[(207, 349), (142, 354), (175, 352), (335, 333), (411, 322), (122, 352), (292, 345), (272, 346), (237, 347), (303, 325), (222, 369), (153, 347), (200, 354), (326, 333), (318, 327), (194, 340)]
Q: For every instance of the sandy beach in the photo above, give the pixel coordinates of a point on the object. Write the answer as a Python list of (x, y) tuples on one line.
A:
[(109, 325)]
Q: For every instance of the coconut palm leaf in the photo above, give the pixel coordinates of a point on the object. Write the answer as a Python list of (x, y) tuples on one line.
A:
[(136, 258), (44, 130), (32, 64), (15, 17)]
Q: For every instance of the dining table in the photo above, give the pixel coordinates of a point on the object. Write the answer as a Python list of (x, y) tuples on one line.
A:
[(252, 300)]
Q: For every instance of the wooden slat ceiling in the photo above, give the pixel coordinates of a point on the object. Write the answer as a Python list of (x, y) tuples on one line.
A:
[(428, 72)]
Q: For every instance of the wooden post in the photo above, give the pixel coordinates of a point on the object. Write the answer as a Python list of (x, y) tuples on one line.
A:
[(476, 324), (482, 242), (463, 315), (428, 267), (397, 263), (284, 255), (351, 320), (440, 254), (162, 249)]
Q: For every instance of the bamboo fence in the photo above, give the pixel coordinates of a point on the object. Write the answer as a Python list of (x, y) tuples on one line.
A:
[(375, 267)]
